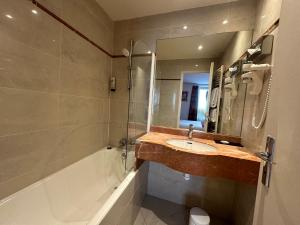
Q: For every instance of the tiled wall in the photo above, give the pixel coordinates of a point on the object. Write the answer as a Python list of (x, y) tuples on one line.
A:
[(252, 138), (241, 41), (54, 95), (268, 11), (233, 125), (119, 102), (138, 102), (206, 20), (231, 120)]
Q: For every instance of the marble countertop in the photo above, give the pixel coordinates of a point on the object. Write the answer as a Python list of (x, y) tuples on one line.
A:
[(222, 150), (232, 162)]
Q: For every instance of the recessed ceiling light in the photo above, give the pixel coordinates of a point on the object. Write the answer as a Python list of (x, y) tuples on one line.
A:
[(149, 52), (9, 16), (225, 22), (34, 11), (185, 27), (200, 47), (196, 65)]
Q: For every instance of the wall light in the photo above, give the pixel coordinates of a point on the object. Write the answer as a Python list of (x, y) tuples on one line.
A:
[(225, 22), (185, 27), (34, 11), (200, 47), (149, 52), (9, 16)]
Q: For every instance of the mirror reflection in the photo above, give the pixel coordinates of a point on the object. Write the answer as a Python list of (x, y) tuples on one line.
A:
[(198, 82)]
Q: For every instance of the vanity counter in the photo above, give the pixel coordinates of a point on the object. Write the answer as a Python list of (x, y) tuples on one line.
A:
[(226, 161)]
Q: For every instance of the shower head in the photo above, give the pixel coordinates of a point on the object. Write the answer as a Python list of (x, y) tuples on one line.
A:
[(125, 52)]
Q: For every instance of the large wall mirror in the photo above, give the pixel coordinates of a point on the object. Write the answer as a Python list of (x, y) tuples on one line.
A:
[(198, 82)]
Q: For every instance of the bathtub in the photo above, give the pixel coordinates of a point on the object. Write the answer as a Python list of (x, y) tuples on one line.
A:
[(92, 191)]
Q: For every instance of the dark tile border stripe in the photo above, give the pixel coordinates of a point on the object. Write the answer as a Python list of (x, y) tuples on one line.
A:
[(39, 5), (53, 15)]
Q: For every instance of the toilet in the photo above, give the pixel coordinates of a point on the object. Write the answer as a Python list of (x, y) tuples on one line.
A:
[(199, 217)]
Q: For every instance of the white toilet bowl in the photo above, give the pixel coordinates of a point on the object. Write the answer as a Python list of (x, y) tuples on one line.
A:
[(199, 217)]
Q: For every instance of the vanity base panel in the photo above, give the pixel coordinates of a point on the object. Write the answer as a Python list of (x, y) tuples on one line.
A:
[(237, 169)]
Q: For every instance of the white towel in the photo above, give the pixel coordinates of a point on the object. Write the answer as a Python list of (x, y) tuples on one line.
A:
[(214, 97), (213, 115)]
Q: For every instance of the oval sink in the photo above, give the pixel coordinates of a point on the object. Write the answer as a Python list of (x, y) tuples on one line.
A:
[(191, 145)]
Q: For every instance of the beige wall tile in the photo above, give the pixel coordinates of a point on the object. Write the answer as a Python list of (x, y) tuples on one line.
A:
[(54, 94), (82, 140), (25, 153), (84, 80), (23, 111), (268, 11), (237, 47), (206, 20), (78, 110), (90, 17), (22, 66), (77, 50), (24, 26), (117, 131)]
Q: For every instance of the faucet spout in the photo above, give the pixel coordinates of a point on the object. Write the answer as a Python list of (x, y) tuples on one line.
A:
[(190, 133)]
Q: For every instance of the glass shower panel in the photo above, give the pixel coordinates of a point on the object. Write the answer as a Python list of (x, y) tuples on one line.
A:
[(139, 98)]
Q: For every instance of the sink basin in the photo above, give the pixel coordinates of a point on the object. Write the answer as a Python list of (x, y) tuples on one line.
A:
[(191, 145)]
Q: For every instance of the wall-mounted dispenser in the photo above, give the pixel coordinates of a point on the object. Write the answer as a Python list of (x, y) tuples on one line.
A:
[(256, 50), (262, 48), (113, 84)]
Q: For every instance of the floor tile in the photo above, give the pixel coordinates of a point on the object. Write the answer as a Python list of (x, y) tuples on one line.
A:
[(157, 211)]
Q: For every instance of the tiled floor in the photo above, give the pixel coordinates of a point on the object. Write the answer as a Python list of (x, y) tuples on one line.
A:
[(156, 211)]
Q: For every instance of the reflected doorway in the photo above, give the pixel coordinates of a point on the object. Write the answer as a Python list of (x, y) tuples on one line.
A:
[(194, 99)]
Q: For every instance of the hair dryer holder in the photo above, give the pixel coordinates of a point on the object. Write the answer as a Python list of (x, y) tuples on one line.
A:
[(254, 77)]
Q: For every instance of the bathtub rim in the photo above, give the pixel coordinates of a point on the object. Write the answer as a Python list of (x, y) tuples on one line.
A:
[(110, 202), (50, 176)]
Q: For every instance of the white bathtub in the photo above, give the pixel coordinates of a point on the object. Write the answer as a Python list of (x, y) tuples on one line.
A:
[(89, 192)]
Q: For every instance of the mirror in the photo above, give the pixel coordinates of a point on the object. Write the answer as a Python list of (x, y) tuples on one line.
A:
[(198, 82)]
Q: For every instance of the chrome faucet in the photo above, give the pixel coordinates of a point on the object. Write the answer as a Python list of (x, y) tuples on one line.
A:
[(190, 133)]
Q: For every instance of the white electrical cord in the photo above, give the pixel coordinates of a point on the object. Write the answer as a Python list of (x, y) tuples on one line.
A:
[(265, 110)]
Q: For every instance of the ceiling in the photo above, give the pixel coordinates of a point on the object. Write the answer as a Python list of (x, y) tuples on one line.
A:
[(196, 78), (187, 47), (128, 9)]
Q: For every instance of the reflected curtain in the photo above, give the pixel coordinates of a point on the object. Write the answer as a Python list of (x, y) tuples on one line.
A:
[(193, 111), (202, 104)]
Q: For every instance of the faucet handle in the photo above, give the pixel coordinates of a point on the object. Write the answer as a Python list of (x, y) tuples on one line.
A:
[(191, 126)]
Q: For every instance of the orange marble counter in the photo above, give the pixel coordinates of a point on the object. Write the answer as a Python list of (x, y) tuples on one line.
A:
[(227, 161)]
